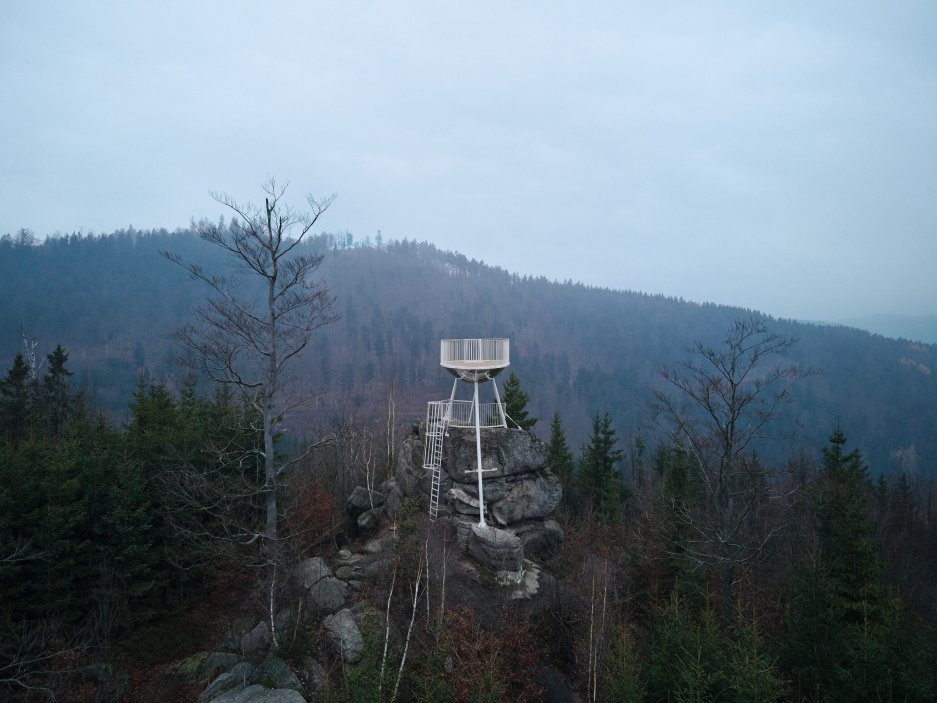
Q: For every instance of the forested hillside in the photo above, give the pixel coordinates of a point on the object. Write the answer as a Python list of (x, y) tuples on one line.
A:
[(748, 552), (113, 301)]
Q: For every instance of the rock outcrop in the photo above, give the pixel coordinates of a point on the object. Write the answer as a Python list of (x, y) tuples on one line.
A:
[(257, 639), (343, 631), (256, 693), (500, 550), (248, 669), (520, 491), (362, 500), (324, 591)]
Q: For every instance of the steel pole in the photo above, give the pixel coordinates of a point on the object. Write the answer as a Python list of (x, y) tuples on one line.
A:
[(478, 454)]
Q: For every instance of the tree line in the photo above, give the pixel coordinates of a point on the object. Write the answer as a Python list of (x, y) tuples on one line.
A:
[(707, 573), (106, 531), (577, 348), (90, 515)]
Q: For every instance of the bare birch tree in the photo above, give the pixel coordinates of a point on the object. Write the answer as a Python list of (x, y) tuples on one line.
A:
[(257, 320)]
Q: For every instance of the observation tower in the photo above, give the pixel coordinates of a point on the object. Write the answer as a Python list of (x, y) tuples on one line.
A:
[(474, 361)]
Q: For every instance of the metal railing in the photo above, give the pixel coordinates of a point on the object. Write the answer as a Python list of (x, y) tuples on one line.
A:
[(496, 352), (462, 414)]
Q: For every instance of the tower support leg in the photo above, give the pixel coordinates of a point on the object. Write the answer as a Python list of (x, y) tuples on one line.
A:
[(478, 456), (455, 382), (504, 420)]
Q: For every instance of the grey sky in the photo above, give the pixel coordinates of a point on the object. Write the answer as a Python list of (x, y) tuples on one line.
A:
[(775, 156)]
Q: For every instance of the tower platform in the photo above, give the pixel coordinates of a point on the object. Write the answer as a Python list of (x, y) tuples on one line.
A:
[(475, 360)]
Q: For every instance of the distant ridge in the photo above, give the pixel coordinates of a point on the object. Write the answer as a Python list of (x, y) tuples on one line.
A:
[(913, 328), (112, 302)]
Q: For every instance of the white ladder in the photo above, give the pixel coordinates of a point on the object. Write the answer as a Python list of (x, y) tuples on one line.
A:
[(437, 421)]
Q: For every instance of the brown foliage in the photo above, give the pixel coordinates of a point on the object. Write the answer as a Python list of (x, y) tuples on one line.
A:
[(484, 659), (311, 515)]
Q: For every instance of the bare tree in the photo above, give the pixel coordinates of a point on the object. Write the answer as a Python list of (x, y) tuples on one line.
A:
[(716, 410), (259, 318), (226, 485), (390, 430), (29, 354)]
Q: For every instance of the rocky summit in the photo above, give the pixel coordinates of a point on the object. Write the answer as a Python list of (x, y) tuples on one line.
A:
[(520, 493)]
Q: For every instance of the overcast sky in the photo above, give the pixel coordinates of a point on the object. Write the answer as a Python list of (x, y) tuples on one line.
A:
[(775, 155)]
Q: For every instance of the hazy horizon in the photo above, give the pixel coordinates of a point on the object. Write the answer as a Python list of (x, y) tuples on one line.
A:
[(775, 158)]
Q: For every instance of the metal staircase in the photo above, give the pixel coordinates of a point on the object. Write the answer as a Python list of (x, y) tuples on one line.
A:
[(437, 421)]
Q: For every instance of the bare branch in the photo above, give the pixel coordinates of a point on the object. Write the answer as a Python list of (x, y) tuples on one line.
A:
[(716, 409), (255, 322)]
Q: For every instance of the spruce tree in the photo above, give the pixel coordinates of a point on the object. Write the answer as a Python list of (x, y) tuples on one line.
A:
[(853, 559), (17, 401), (515, 405), (57, 399), (842, 643), (599, 476), (559, 458)]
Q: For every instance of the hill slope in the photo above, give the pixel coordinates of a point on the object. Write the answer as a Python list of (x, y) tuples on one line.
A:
[(921, 328), (113, 301)]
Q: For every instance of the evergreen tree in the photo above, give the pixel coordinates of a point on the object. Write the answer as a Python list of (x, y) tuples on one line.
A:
[(559, 458), (678, 493), (57, 399), (89, 515), (515, 404), (852, 554), (599, 482), (689, 658), (17, 400), (843, 641), (78, 553)]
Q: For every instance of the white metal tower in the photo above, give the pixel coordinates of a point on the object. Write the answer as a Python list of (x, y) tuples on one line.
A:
[(472, 361)]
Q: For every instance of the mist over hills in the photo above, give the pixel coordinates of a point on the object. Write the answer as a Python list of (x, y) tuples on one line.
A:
[(113, 302), (921, 328)]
